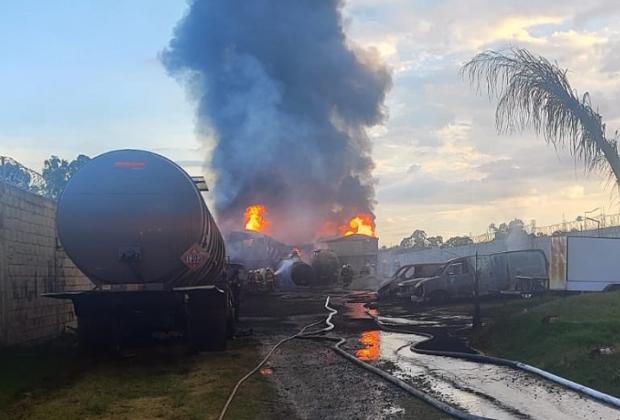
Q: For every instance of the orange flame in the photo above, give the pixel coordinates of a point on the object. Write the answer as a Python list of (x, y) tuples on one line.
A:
[(371, 340), (255, 218), (362, 224)]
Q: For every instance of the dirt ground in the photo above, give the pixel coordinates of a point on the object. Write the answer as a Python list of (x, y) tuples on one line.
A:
[(315, 381), (304, 379)]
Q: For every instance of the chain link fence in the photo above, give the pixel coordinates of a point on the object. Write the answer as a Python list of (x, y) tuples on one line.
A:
[(586, 223), (601, 221), (14, 173)]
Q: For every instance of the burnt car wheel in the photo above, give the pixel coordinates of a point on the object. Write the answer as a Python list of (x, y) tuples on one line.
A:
[(438, 297)]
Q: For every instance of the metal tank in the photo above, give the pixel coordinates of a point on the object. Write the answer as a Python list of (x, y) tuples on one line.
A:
[(135, 217), (294, 272), (136, 224)]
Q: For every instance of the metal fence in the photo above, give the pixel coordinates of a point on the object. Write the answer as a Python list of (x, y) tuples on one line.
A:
[(14, 173), (601, 221)]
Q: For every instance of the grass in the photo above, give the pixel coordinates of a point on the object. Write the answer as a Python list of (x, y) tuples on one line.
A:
[(164, 384), (559, 334), (29, 369)]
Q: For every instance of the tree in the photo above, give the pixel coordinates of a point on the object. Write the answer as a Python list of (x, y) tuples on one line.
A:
[(458, 241), (504, 229), (533, 92), (57, 172), (14, 174), (516, 225), (435, 240), (417, 240)]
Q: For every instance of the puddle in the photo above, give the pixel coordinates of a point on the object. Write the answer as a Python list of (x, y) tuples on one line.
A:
[(482, 389), (391, 411), (388, 320), (357, 310), (437, 320)]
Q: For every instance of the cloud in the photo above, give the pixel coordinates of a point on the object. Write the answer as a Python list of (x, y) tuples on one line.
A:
[(441, 165), (513, 29)]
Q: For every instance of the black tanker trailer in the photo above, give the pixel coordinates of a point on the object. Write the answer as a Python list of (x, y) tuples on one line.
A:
[(136, 224)]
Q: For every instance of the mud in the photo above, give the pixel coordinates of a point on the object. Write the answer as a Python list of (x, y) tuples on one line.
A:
[(487, 390), (312, 379), (317, 383)]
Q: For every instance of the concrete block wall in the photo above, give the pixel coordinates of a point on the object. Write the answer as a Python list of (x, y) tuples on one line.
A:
[(32, 264)]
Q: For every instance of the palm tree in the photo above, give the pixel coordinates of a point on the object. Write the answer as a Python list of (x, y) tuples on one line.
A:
[(535, 93)]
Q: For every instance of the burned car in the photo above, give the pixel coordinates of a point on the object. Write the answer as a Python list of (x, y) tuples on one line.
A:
[(513, 272), (402, 284)]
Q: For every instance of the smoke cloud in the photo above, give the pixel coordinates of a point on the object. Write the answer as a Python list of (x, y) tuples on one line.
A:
[(288, 99)]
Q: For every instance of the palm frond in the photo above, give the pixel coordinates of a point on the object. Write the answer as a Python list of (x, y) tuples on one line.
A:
[(533, 92)]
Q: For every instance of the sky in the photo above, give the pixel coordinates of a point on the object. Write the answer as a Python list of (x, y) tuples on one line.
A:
[(85, 77)]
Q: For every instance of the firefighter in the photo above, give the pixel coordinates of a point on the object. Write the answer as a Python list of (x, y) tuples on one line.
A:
[(346, 274)]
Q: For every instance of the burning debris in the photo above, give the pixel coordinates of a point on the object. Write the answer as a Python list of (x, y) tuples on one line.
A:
[(287, 98), (362, 224)]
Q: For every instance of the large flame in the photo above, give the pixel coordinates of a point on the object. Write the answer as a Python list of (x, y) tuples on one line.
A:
[(256, 218), (362, 224), (371, 340)]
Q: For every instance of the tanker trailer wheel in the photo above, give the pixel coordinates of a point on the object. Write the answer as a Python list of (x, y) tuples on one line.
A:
[(89, 340), (438, 297), (208, 319), (98, 334)]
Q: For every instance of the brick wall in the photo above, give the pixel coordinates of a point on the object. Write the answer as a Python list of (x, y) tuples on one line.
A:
[(31, 264)]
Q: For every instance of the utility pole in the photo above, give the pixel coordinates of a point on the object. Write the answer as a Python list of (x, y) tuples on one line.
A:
[(476, 323)]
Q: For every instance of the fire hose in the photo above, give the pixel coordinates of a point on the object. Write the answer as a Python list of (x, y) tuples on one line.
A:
[(480, 358), (262, 362), (316, 334)]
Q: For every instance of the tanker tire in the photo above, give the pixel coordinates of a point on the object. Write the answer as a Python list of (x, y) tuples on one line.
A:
[(85, 335), (93, 335), (208, 320)]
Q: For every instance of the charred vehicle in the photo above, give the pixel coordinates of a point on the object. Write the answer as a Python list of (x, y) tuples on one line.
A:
[(402, 284), (513, 272), (137, 225)]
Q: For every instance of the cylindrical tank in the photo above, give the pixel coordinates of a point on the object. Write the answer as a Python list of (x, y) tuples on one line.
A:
[(132, 216), (293, 271), (302, 274)]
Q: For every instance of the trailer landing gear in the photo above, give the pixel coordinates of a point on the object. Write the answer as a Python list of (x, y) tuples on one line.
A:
[(209, 315)]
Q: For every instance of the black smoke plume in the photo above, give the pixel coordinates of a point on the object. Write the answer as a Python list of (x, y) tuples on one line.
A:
[(288, 99)]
